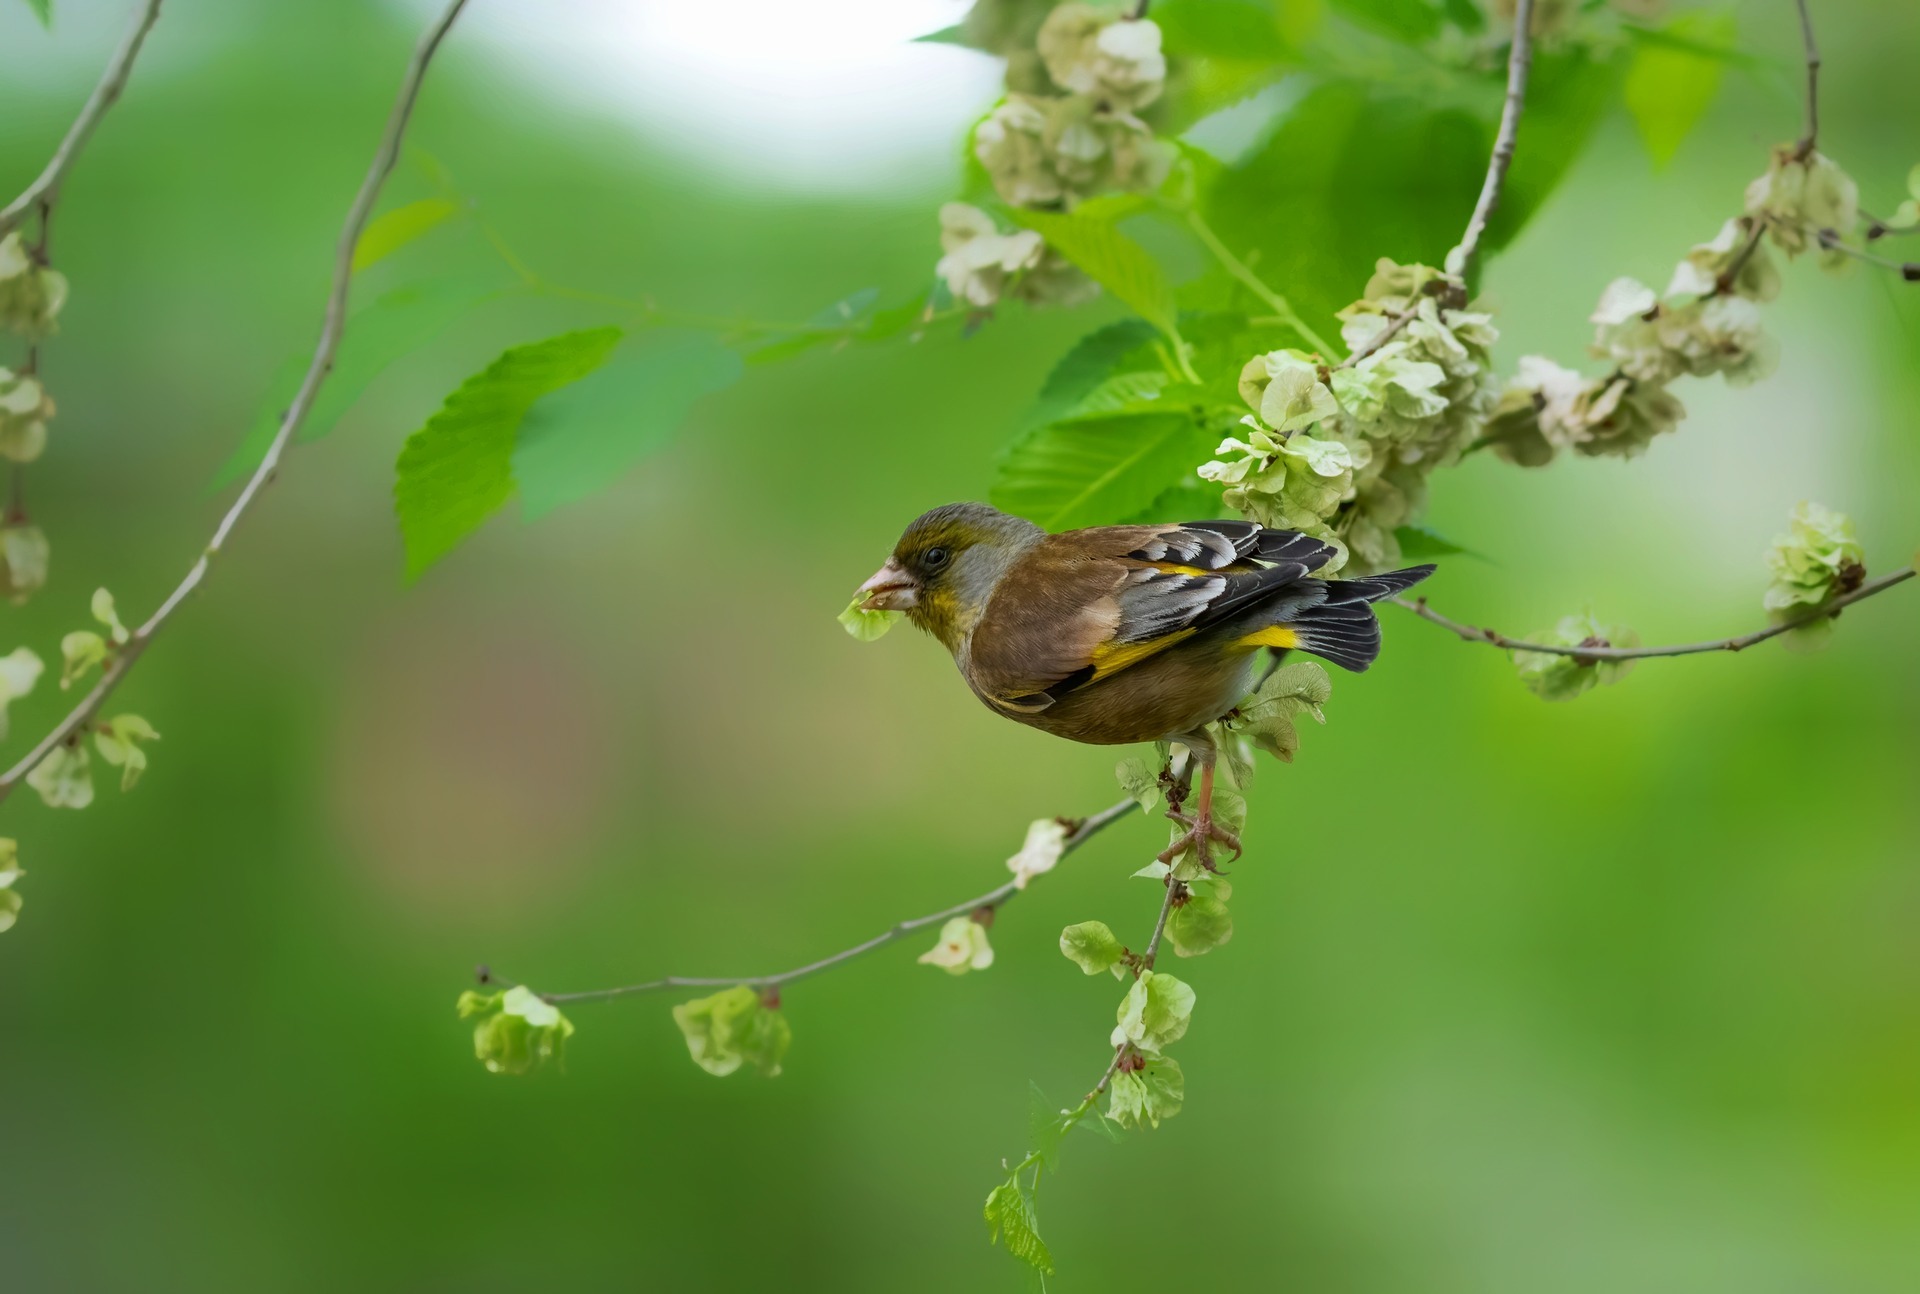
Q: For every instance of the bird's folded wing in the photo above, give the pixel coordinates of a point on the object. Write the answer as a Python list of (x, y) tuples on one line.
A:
[(1084, 605)]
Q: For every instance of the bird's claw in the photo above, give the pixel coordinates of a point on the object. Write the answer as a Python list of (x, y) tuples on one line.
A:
[(1201, 834)]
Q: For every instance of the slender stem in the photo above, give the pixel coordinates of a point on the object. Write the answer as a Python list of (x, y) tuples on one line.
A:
[(1756, 230), (1239, 269), (112, 82), (1519, 62), (1494, 639), (1166, 910), (1811, 139), (1381, 338), (994, 898), (334, 324), (1908, 270), (1505, 139)]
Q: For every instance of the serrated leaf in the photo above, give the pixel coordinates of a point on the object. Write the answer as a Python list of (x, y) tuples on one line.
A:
[(391, 230), (1045, 1126), (1420, 543), (1010, 1221), (1412, 22), (1127, 392), (1241, 30), (587, 435), (1670, 86), (1089, 362), (1101, 1126), (389, 328), (1191, 500), (457, 470), (1111, 259), (1093, 471)]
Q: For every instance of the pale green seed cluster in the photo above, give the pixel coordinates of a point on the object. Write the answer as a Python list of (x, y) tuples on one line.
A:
[(1343, 453), (1554, 677), (1817, 559), (1706, 323), (1067, 131)]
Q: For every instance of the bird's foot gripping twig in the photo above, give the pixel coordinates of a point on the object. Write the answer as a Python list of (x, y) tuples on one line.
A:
[(1201, 835)]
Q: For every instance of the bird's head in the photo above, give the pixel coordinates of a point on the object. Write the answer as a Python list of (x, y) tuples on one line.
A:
[(946, 566)]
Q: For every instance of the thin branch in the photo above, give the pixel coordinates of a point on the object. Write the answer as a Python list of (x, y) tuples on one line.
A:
[(1811, 139), (1494, 639), (1519, 63), (1908, 270), (1282, 308), (112, 82), (1878, 228), (992, 899), (1460, 259), (71, 728), (1381, 338)]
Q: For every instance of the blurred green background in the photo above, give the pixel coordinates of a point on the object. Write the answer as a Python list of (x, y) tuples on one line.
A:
[(1616, 995)]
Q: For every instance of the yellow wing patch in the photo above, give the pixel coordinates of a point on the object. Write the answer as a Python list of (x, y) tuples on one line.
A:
[(1271, 636), (1111, 658)]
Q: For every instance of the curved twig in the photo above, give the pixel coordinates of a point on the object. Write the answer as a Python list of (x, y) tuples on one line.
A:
[(1811, 139), (112, 82), (1519, 63), (1493, 638), (72, 727), (994, 898), (1460, 259)]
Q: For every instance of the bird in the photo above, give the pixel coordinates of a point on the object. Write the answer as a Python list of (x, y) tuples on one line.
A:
[(1115, 635)]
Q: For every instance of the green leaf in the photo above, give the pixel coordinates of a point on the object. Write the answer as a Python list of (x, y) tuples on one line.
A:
[(1010, 1221), (1147, 1095), (586, 436), (10, 874), (1412, 22), (518, 1030), (1569, 93), (1089, 362), (1233, 30), (866, 626), (733, 1028), (1111, 259), (1191, 500), (457, 470), (64, 778), (394, 325), (1670, 86), (1419, 543), (1199, 925), (1351, 174), (392, 230), (1091, 946), (1093, 471), (43, 10), (1141, 781), (1045, 1124), (954, 35), (118, 741), (1155, 1012)]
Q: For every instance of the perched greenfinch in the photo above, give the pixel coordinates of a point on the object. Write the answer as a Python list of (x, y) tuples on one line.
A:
[(1122, 634)]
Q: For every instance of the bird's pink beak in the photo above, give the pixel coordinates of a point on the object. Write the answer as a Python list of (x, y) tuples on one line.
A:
[(890, 589)]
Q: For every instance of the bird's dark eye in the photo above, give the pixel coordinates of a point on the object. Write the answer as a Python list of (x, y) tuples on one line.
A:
[(935, 558)]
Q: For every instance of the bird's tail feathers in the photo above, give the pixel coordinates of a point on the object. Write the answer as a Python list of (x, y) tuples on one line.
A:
[(1343, 629)]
